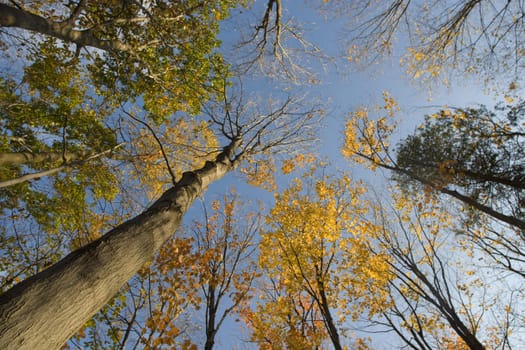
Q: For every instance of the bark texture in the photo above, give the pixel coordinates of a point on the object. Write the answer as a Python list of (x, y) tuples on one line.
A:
[(328, 319), (14, 17), (45, 310)]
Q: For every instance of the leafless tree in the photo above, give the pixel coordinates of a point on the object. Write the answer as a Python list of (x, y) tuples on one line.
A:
[(437, 298)]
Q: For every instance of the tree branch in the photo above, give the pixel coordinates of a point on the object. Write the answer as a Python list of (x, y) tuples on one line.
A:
[(40, 174), (13, 17)]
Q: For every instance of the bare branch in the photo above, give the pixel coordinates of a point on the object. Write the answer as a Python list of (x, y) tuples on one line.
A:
[(278, 47)]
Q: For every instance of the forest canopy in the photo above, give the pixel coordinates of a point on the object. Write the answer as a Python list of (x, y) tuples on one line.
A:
[(175, 172)]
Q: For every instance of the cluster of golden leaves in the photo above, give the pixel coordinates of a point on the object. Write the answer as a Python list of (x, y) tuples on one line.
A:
[(366, 139), (261, 172), (317, 244), (285, 321)]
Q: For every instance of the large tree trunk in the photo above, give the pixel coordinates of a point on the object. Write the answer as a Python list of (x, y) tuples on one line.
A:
[(45, 310)]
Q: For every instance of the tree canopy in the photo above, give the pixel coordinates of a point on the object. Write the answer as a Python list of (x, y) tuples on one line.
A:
[(472, 149), (117, 116)]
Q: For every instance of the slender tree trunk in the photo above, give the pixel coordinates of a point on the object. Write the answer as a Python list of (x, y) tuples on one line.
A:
[(32, 176), (211, 313), (447, 310), (45, 310), (511, 220), (73, 158), (21, 158), (515, 182), (328, 319)]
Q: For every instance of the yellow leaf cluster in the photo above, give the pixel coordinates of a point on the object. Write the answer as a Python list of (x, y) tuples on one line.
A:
[(317, 243), (279, 324), (298, 161), (367, 140), (508, 99), (288, 166), (353, 138), (453, 342), (260, 173), (422, 63), (390, 105)]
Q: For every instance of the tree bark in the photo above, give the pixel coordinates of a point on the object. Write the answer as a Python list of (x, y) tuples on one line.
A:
[(443, 302), (515, 182), (511, 220), (22, 158), (45, 310), (211, 313), (32, 176), (14, 17)]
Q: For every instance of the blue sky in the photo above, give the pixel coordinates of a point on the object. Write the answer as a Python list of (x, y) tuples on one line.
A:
[(343, 87)]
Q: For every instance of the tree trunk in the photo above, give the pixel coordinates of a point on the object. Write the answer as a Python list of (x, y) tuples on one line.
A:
[(45, 310), (11, 16), (443, 302), (22, 158), (18, 158), (211, 312), (511, 220), (328, 319), (332, 329)]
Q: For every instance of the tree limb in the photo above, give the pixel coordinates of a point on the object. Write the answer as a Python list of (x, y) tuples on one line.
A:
[(52, 171), (13, 17)]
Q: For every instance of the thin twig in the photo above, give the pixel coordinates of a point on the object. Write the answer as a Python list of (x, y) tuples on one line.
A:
[(172, 174)]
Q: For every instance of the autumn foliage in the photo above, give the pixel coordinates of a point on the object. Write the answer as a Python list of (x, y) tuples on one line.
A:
[(115, 116)]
